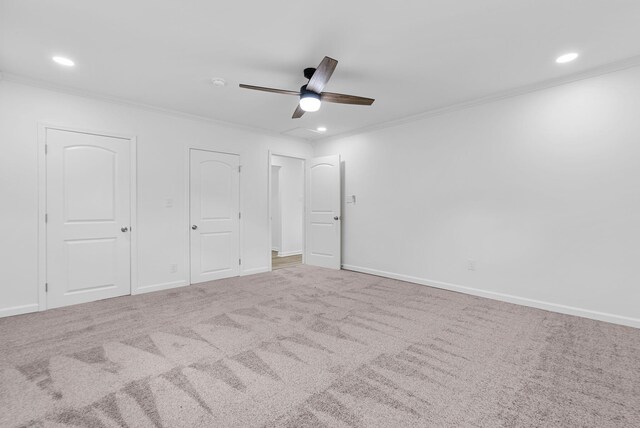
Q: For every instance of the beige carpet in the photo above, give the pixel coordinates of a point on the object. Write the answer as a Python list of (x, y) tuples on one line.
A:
[(308, 347)]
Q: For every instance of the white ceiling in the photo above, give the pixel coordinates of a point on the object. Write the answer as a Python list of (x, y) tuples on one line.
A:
[(411, 55)]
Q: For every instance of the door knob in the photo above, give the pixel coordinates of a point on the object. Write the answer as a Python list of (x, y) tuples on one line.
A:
[(336, 218), (124, 229), (194, 227)]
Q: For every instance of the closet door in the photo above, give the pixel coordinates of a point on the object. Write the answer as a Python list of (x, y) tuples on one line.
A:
[(88, 217), (215, 215)]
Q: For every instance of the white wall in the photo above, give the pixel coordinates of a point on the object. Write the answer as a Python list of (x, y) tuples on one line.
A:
[(540, 191), (291, 186), (163, 140)]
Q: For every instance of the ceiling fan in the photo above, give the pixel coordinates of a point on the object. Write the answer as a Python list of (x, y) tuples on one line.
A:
[(311, 95)]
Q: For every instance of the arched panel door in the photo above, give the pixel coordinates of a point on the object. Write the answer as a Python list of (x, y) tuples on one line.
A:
[(323, 231), (214, 212), (88, 217)]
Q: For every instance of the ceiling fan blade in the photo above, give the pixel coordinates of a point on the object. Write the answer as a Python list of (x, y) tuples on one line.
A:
[(331, 97), (275, 91), (298, 113), (322, 75)]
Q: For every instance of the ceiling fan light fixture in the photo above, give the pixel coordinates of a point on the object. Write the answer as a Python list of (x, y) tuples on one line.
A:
[(310, 101), (312, 94)]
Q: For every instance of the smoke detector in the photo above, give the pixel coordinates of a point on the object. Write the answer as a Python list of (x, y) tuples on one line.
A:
[(216, 81)]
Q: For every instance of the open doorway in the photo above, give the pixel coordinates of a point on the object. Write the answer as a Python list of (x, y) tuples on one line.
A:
[(287, 211)]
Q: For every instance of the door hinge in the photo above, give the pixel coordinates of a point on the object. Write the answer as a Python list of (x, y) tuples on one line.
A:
[(239, 215), (46, 217), (239, 168), (46, 287), (239, 261), (46, 148)]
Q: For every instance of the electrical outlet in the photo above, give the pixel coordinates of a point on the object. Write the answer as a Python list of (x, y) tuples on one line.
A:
[(168, 203), (471, 264), (173, 268)]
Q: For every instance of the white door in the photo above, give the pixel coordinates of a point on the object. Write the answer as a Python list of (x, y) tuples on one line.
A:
[(88, 217), (323, 212), (215, 215)]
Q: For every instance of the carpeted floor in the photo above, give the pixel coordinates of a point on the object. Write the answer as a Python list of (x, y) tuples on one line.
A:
[(308, 347)]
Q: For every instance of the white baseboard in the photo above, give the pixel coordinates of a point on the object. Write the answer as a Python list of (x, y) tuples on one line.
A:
[(553, 307), (158, 287), (254, 271), (17, 310), (290, 253)]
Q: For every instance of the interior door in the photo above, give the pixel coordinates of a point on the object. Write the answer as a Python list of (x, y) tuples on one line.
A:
[(215, 215), (323, 231), (88, 217)]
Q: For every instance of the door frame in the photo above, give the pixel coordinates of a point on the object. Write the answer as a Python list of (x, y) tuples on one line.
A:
[(279, 203), (304, 205), (42, 204), (187, 204)]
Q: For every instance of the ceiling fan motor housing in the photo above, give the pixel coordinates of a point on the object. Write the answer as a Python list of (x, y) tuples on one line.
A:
[(308, 72), (305, 93)]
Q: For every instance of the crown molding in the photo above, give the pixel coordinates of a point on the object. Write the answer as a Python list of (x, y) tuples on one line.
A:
[(498, 96), (42, 84), (547, 84)]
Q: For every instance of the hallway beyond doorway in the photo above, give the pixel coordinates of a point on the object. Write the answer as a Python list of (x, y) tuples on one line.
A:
[(284, 262)]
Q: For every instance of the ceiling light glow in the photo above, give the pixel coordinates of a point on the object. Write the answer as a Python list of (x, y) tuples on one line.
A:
[(321, 129), (63, 61), (310, 102), (562, 59)]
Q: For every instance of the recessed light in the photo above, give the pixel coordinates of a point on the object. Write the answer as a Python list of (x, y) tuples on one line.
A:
[(562, 59), (321, 129), (216, 81), (63, 61)]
